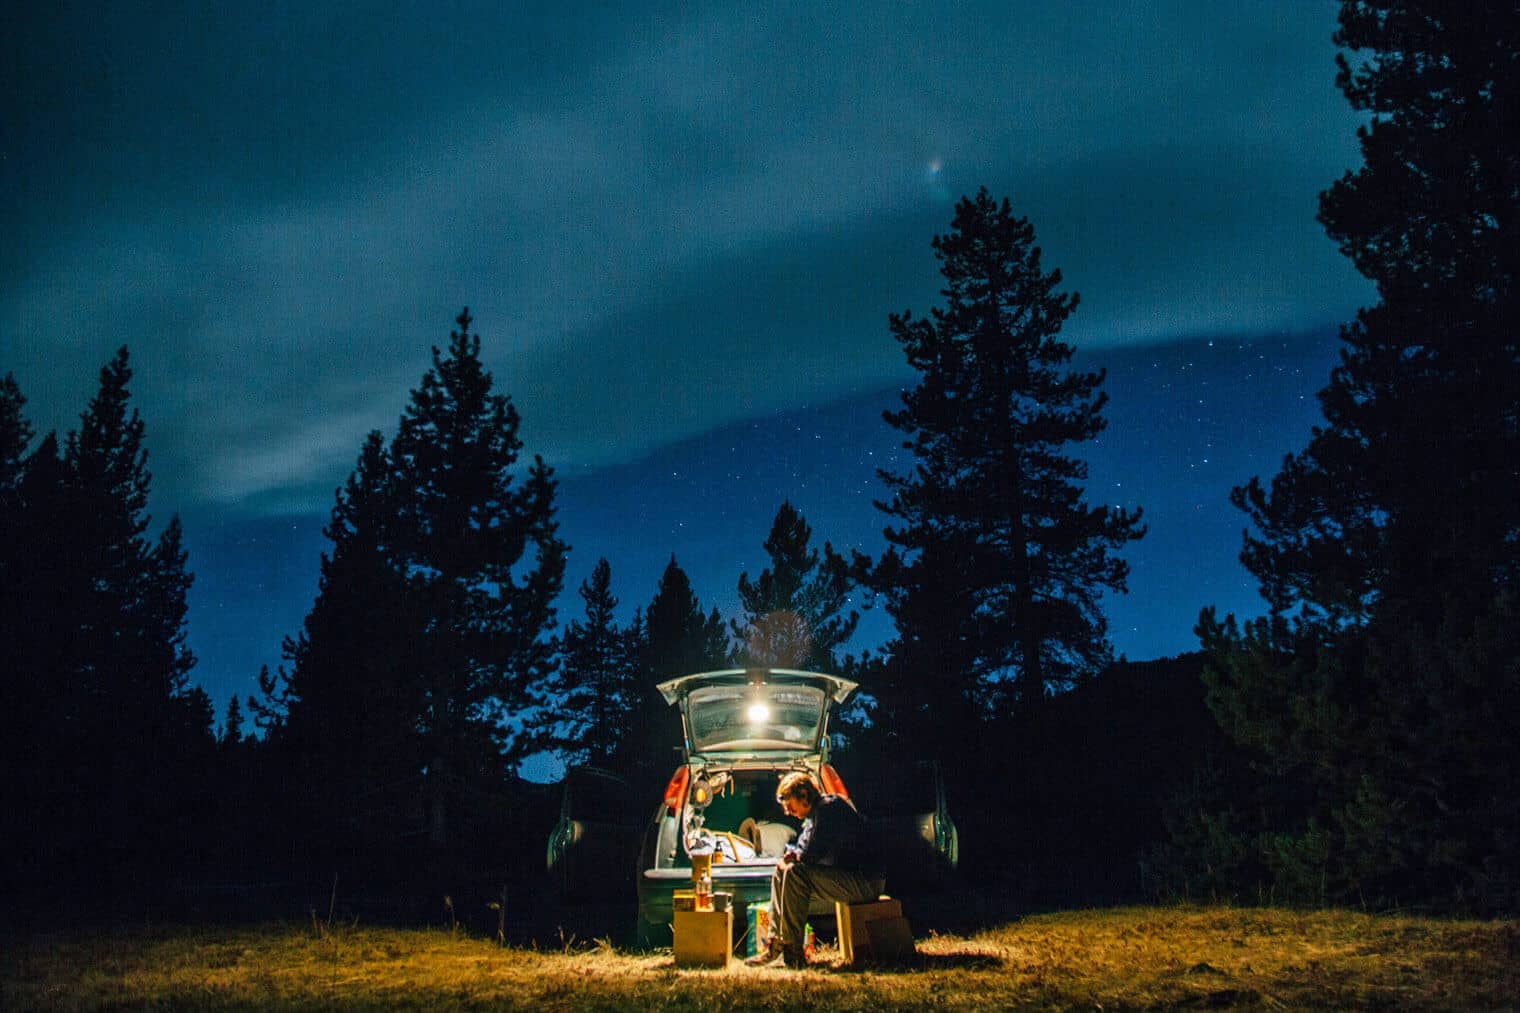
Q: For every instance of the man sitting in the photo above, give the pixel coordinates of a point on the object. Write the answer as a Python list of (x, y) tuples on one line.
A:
[(831, 860)]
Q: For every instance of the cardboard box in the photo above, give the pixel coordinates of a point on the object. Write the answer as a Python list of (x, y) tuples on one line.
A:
[(703, 938), (759, 918), (875, 930)]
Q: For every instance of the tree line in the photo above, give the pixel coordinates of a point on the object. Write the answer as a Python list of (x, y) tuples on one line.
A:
[(1351, 745), (1375, 700)]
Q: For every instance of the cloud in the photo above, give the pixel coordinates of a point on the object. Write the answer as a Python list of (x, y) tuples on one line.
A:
[(661, 224)]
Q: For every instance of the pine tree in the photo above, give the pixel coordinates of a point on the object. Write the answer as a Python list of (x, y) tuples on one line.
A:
[(232, 725), (681, 639), (99, 664), (599, 676), (428, 650), (997, 563), (794, 612), (677, 639), (107, 487), (1379, 687), (463, 537), (132, 612)]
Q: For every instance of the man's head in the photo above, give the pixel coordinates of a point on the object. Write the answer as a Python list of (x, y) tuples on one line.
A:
[(797, 793)]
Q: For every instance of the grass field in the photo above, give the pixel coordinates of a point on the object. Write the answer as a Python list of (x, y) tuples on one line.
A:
[(1119, 958)]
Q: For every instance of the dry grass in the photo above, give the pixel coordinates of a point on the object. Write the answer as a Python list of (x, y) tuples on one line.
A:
[(1127, 958)]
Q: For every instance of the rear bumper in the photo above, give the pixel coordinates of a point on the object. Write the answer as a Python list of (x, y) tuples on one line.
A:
[(749, 884)]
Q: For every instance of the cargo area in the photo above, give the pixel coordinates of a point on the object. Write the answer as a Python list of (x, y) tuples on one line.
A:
[(722, 812), (734, 816)]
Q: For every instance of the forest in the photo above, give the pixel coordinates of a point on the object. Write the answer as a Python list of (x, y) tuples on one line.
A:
[(1352, 745)]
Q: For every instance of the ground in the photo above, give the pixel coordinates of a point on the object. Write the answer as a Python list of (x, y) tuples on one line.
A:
[(1130, 958)]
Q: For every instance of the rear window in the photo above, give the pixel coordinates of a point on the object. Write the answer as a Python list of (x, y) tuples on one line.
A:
[(756, 717)]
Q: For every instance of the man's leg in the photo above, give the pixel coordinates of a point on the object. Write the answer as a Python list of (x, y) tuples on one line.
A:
[(778, 901), (805, 883), (769, 948)]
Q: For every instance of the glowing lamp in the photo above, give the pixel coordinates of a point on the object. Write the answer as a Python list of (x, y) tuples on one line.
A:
[(758, 713)]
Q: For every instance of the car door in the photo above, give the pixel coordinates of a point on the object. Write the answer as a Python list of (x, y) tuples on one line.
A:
[(594, 844), (908, 810), (945, 834)]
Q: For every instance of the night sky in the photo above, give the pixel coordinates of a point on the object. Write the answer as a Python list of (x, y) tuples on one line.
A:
[(680, 233)]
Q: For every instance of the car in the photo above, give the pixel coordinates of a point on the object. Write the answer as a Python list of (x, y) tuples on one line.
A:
[(742, 731), (904, 803), (597, 832)]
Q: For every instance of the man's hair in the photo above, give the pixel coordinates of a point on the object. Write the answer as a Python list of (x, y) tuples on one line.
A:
[(800, 786)]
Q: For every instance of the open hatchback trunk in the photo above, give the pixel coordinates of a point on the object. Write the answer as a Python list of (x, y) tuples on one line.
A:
[(743, 730), (769, 712)]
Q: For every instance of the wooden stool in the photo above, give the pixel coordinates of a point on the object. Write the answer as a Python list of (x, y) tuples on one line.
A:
[(873, 930)]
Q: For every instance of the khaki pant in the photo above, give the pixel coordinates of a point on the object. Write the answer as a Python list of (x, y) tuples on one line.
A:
[(794, 887)]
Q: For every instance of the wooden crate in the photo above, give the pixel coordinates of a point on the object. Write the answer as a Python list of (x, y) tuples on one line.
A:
[(874, 930), (703, 938)]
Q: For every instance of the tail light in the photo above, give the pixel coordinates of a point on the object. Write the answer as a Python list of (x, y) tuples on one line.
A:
[(675, 791), (833, 784)]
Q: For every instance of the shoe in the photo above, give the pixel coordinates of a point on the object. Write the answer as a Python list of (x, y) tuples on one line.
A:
[(771, 953)]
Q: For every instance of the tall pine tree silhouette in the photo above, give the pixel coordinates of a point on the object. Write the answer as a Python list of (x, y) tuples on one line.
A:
[(484, 564), (599, 675), (118, 739), (997, 562), (1381, 690), (678, 639), (419, 673)]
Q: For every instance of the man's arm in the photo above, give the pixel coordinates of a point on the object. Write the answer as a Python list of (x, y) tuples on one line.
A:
[(824, 834), (796, 851)]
